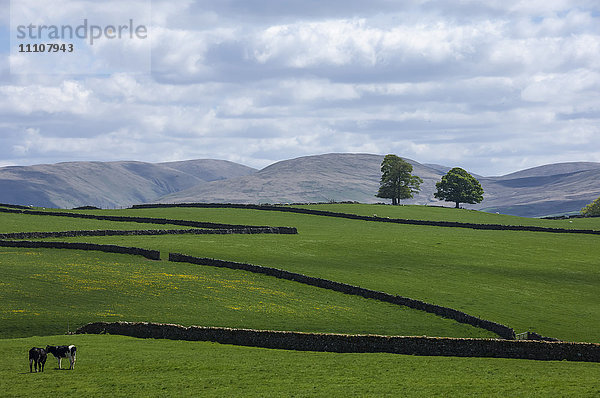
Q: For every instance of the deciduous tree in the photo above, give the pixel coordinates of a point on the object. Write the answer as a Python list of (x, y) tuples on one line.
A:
[(459, 186), (397, 181), (592, 209)]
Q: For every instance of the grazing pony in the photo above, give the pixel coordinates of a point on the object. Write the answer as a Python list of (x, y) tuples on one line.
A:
[(63, 351), (37, 358)]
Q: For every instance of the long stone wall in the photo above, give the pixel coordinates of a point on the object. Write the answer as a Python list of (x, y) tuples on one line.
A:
[(501, 330), (14, 206), (149, 220), (149, 254), (446, 224), (427, 346), (151, 232)]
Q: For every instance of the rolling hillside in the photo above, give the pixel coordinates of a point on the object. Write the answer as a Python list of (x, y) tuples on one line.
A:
[(545, 282), (546, 190), (323, 178), (107, 184), (540, 191)]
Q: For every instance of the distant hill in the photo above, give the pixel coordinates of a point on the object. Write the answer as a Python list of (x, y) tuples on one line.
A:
[(107, 184), (546, 190), (210, 169), (551, 170), (321, 178)]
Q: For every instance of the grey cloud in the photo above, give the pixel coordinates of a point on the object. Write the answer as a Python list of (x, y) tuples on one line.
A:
[(270, 11), (589, 115)]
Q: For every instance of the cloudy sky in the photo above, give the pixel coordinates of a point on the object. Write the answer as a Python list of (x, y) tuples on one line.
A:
[(493, 86)]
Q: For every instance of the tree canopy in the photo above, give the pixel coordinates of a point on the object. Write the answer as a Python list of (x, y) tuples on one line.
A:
[(397, 181), (459, 186), (592, 209)]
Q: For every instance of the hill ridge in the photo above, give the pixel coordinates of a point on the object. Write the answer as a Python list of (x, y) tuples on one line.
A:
[(539, 191), (107, 184)]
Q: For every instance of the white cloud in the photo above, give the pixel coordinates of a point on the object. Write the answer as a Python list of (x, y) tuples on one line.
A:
[(492, 86), (70, 97), (571, 89), (318, 90), (343, 42)]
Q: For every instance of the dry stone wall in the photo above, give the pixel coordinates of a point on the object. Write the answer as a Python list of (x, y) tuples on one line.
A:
[(149, 220), (149, 254), (447, 224), (151, 232), (427, 346), (14, 206)]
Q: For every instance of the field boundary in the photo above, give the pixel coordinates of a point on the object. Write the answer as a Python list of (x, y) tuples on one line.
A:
[(461, 317), (325, 213), (136, 232), (150, 220), (149, 254), (14, 206), (342, 343)]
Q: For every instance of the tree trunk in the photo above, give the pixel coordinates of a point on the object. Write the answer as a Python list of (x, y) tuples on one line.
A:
[(394, 201), (457, 206)]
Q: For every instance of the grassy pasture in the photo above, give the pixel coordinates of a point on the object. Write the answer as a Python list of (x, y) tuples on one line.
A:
[(543, 282), (435, 213), (120, 366), (46, 291)]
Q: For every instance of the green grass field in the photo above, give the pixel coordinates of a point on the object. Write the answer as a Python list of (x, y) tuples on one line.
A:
[(34, 223), (543, 282), (48, 290), (434, 213), (120, 366)]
